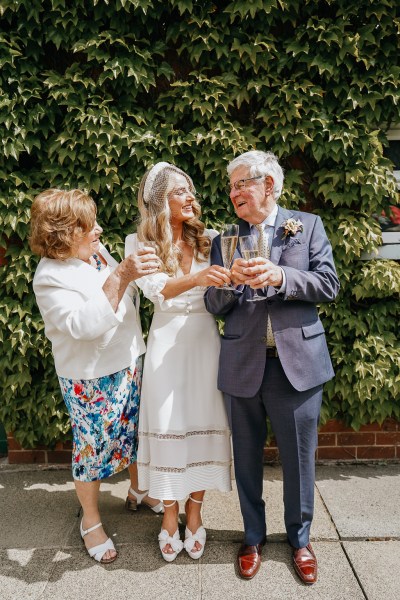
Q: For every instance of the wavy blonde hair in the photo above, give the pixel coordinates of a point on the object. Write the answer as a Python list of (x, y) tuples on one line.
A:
[(59, 220), (155, 225)]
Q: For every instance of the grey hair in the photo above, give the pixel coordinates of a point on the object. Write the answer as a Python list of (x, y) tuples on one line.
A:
[(260, 163)]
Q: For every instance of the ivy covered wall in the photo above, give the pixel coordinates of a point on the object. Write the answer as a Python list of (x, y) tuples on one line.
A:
[(95, 91)]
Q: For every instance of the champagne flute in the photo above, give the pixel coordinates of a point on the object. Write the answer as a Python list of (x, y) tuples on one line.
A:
[(249, 249), (141, 244), (229, 239)]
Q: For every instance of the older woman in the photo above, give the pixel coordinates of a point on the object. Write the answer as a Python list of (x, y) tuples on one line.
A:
[(184, 443), (87, 302)]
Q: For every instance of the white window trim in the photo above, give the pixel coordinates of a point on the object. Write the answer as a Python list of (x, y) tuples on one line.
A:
[(393, 135)]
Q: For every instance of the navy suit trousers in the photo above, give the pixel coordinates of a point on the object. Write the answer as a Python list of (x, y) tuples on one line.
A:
[(294, 418)]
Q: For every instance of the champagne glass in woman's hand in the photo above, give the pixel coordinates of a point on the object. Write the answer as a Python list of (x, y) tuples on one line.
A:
[(139, 243), (249, 249), (229, 238), (150, 261)]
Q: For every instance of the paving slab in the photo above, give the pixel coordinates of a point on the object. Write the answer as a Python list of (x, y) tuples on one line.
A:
[(139, 573), (276, 579), (221, 513), (223, 519), (43, 556), (377, 565), (322, 527), (24, 572), (124, 526), (363, 500), (39, 508)]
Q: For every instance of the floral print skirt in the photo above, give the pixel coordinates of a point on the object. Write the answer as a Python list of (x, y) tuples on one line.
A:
[(104, 417)]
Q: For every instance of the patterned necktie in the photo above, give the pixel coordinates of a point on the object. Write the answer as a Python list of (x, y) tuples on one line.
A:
[(263, 249)]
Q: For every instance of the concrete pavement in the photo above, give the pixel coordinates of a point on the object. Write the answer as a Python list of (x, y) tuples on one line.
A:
[(355, 534)]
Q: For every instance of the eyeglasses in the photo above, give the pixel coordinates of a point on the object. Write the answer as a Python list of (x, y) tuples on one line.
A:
[(241, 184)]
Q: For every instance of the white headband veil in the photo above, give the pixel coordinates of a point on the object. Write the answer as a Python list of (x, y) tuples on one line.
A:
[(151, 177)]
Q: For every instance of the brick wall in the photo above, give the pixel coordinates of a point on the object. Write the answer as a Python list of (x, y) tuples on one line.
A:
[(338, 442), (335, 442), (60, 454)]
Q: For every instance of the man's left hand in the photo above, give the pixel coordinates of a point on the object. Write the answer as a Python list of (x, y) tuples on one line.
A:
[(261, 272)]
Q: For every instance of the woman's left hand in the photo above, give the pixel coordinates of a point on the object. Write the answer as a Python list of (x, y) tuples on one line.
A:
[(212, 276), (144, 262)]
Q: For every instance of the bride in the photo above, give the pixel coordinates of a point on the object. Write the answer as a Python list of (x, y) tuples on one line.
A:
[(184, 437)]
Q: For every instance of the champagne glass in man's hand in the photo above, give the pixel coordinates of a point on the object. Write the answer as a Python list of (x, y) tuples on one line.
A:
[(229, 238), (249, 249)]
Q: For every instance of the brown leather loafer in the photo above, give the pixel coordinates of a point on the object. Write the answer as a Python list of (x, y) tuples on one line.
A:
[(249, 560), (305, 564)]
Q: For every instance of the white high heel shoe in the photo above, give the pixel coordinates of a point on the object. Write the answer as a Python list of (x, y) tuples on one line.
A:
[(97, 552), (138, 500), (191, 538), (164, 538)]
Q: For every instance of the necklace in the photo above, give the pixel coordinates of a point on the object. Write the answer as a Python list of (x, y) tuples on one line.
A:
[(97, 261)]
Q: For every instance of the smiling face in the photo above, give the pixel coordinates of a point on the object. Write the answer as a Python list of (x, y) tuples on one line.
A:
[(254, 202), (89, 244), (180, 200)]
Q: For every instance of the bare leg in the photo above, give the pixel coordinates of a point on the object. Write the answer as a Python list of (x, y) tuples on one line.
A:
[(133, 474), (170, 521), (193, 514), (88, 495)]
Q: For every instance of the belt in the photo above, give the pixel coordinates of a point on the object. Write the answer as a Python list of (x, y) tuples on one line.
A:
[(272, 352)]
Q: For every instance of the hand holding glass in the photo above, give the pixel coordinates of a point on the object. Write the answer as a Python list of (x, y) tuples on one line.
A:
[(141, 244), (229, 238), (249, 249), (150, 258)]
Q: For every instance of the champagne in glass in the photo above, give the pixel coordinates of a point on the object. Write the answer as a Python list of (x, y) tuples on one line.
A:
[(229, 238), (249, 249), (140, 244)]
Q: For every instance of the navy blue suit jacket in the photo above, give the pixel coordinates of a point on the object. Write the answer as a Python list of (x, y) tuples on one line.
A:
[(299, 334)]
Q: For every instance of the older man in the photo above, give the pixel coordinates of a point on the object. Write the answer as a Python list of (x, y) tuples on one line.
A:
[(274, 358)]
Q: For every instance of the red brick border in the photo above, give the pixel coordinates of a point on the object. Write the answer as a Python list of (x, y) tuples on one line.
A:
[(335, 442), (17, 455)]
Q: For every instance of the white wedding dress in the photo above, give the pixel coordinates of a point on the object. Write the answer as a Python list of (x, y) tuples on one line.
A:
[(184, 436)]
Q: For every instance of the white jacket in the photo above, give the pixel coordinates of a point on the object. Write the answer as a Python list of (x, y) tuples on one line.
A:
[(89, 339)]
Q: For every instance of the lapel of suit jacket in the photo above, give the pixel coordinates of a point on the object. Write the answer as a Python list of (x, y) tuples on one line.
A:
[(277, 241), (244, 228), (113, 263), (110, 259)]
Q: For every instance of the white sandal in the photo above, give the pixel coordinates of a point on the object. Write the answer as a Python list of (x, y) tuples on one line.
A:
[(97, 552), (191, 538), (133, 504), (174, 541)]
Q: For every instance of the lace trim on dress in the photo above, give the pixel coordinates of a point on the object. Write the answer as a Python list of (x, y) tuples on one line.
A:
[(176, 436), (183, 469)]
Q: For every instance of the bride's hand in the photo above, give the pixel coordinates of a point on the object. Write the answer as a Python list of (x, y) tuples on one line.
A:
[(212, 276)]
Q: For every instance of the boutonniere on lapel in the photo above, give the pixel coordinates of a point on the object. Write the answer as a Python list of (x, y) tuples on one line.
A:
[(291, 227)]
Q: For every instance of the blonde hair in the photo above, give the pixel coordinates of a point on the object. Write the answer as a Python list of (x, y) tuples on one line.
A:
[(59, 219), (155, 222)]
